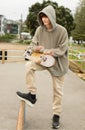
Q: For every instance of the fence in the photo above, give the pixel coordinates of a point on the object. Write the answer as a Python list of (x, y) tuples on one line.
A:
[(77, 57), (11, 56), (17, 56)]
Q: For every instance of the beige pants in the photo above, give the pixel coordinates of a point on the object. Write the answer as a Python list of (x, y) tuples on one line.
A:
[(31, 67)]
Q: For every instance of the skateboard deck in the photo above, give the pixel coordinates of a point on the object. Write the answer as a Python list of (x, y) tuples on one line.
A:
[(40, 58)]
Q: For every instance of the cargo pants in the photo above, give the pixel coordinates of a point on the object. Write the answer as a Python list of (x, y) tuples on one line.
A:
[(31, 67)]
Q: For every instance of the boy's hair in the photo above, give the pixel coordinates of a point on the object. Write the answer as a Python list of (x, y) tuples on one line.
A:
[(42, 15)]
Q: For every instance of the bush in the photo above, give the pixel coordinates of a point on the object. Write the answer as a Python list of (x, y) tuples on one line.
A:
[(24, 41), (7, 37), (79, 37)]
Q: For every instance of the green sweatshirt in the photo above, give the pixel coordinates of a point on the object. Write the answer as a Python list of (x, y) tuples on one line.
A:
[(57, 40)]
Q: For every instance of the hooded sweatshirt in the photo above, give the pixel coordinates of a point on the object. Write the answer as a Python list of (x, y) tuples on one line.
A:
[(56, 40)]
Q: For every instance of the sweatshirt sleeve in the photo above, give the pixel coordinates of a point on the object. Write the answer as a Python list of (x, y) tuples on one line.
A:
[(63, 45), (34, 41)]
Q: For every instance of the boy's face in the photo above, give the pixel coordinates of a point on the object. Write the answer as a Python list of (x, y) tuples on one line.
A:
[(46, 21)]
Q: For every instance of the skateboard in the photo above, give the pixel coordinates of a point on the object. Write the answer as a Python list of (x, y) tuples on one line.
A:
[(40, 58)]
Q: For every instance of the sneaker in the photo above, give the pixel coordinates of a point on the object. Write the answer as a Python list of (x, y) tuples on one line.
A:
[(27, 98), (55, 122)]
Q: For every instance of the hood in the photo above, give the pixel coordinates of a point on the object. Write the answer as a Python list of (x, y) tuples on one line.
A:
[(50, 13)]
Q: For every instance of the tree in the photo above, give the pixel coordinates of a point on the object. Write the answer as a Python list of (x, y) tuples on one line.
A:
[(65, 18), (79, 31), (63, 15), (31, 20)]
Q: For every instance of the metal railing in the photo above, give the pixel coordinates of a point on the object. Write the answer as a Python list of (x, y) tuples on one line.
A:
[(18, 55), (77, 57), (11, 55)]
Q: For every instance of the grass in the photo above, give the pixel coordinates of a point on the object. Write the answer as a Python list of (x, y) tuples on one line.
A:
[(74, 50)]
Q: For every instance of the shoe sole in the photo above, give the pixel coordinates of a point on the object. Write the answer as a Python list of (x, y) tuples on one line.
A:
[(56, 127), (26, 101)]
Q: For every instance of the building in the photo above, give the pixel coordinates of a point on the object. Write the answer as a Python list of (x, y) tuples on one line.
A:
[(13, 27), (3, 22), (9, 26)]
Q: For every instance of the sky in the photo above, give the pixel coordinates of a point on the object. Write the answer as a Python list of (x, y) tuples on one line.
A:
[(15, 9)]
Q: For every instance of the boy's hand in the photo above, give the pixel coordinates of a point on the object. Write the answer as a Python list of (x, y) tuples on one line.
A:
[(38, 48), (48, 52)]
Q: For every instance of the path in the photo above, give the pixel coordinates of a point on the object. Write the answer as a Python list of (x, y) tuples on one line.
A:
[(12, 78)]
